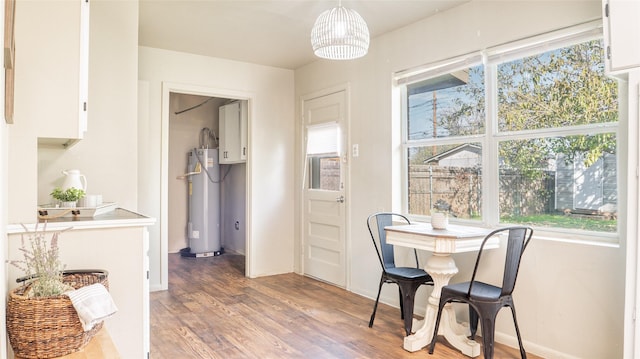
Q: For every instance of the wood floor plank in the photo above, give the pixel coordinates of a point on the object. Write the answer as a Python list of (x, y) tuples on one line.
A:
[(212, 310)]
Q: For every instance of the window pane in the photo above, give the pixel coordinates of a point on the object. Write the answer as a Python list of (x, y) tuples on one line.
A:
[(447, 105), (446, 177), (562, 182), (324, 173), (559, 88)]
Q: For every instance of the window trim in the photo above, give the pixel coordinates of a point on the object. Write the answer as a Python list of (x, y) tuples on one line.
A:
[(425, 72), (537, 44)]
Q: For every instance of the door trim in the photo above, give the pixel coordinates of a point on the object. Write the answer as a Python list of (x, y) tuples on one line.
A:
[(346, 87)]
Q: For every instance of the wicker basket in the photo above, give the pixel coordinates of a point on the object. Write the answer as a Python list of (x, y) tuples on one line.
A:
[(49, 327)]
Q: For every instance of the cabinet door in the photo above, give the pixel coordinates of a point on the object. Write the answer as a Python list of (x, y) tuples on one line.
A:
[(233, 132), (243, 130), (53, 66), (621, 35), (83, 69), (229, 133)]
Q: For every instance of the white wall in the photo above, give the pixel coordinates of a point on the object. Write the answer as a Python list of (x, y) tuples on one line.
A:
[(271, 141), (233, 198), (566, 292), (4, 150), (632, 326)]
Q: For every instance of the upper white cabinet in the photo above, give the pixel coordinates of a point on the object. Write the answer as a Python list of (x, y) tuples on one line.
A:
[(621, 35), (233, 132), (54, 68)]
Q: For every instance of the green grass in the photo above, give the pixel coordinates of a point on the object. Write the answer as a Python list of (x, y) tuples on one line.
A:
[(562, 221)]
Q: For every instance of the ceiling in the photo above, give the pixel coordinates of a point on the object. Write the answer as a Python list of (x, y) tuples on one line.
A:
[(267, 32)]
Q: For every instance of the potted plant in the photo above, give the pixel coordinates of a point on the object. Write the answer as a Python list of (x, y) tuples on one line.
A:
[(68, 198), (439, 219), (440, 214)]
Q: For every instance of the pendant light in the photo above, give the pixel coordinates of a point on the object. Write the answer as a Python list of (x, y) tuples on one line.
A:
[(340, 34)]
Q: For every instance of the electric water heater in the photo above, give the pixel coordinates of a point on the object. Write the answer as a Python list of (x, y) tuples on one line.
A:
[(204, 203)]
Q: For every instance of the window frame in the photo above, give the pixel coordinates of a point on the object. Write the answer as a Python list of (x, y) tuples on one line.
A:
[(491, 58)]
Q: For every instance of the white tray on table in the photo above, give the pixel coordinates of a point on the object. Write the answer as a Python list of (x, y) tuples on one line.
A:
[(51, 211)]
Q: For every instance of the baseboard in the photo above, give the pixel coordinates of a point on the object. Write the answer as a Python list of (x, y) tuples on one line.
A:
[(531, 347), (155, 288)]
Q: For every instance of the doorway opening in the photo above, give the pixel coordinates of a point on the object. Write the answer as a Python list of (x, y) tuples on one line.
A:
[(206, 201), (191, 119)]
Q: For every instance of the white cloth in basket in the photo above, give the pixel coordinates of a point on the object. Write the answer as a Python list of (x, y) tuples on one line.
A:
[(93, 304)]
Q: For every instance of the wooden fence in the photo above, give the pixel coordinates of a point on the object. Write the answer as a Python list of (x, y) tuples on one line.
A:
[(459, 190)]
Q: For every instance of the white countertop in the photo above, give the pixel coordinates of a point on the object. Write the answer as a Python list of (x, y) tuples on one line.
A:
[(119, 217)]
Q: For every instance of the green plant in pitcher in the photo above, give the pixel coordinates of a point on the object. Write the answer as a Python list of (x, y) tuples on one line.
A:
[(69, 195)]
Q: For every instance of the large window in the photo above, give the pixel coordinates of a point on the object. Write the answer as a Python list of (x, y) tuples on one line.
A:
[(524, 135)]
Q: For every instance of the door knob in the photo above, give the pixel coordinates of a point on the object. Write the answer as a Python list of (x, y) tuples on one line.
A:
[(340, 199)]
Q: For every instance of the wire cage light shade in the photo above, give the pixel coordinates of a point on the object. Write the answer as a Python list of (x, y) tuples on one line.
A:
[(340, 34)]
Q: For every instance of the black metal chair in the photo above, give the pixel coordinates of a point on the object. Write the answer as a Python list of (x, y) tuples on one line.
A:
[(408, 279), (486, 300)]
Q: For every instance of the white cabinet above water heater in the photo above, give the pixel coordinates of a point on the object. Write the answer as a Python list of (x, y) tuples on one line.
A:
[(233, 132)]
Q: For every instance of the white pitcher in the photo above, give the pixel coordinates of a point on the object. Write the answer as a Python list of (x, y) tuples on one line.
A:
[(74, 179)]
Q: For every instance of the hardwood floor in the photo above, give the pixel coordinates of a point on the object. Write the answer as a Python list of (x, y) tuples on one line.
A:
[(212, 311)]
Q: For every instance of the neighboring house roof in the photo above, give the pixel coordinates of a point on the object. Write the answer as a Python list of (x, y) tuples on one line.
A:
[(456, 151)]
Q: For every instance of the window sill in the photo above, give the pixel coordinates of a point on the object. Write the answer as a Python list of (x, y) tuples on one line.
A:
[(601, 239)]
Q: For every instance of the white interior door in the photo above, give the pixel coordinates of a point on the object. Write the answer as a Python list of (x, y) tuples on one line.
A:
[(324, 219)]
